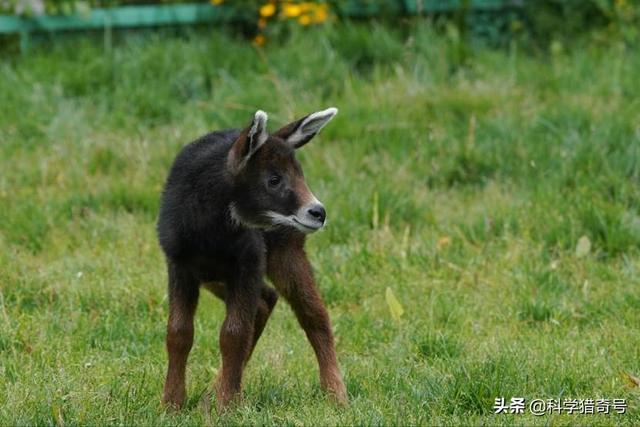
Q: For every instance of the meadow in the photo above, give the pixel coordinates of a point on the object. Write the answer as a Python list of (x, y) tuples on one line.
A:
[(494, 191)]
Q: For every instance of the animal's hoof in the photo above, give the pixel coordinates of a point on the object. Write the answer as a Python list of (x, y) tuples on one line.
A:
[(339, 397), (337, 392), (173, 402), (225, 404), (172, 406), (227, 399)]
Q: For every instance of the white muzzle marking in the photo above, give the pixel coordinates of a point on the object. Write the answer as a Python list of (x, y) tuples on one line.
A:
[(301, 220)]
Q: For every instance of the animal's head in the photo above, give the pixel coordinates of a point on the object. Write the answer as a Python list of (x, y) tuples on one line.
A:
[(269, 186)]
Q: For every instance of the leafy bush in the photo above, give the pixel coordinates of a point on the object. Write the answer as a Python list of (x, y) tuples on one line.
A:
[(546, 22), (552, 19)]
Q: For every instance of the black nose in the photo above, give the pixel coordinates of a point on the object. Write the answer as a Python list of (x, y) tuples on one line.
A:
[(318, 212)]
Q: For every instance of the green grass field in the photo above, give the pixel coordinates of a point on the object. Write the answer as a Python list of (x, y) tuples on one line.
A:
[(461, 177)]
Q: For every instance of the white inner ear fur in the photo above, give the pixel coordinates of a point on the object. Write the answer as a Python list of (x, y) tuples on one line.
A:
[(256, 137), (312, 125), (258, 133)]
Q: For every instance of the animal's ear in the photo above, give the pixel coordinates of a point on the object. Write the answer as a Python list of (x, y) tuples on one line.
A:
[(249, 141), (301, 131)]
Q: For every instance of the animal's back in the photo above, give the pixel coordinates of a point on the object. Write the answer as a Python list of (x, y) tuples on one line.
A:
[(195, 195)]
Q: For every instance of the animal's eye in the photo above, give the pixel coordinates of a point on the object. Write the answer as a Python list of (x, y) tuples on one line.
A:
[(274, 180)]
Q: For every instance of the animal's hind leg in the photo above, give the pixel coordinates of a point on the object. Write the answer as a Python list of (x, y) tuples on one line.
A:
[(266, 303), (236, 338), (183, 299)]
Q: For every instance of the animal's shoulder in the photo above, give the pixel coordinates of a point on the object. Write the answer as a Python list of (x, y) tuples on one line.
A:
[(202, 155)]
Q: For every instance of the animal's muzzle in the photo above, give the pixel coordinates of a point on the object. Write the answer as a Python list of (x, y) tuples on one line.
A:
[(317, 213), (310, 217)]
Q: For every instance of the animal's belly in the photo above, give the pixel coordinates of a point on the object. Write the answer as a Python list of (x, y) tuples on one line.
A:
[(216, 288), (209, 269)]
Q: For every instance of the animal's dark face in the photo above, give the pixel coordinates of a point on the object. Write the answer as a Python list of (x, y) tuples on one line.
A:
[(269, 186), (271, 191)]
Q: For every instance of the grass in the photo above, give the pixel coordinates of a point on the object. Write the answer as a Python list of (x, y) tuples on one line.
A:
[(463, 185)]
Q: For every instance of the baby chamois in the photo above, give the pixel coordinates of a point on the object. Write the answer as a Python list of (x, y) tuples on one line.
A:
[(235, 208)]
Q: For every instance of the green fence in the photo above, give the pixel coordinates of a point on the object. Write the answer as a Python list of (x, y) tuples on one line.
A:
[(178, 14)]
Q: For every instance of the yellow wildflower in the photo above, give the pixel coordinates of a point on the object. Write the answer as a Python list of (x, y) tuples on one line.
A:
[(291, 10), (217, 2), (320, 14), (259, 40), (267, 10), (304, 20), (307, 7)]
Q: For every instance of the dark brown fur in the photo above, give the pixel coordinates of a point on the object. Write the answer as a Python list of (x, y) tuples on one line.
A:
[(215, 230)]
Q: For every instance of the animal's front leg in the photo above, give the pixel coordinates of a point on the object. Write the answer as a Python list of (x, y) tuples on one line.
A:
[(236, 337), (290, 271), (183, 298)]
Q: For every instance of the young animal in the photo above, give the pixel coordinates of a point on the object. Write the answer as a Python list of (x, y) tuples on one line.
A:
[(236, 208)]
